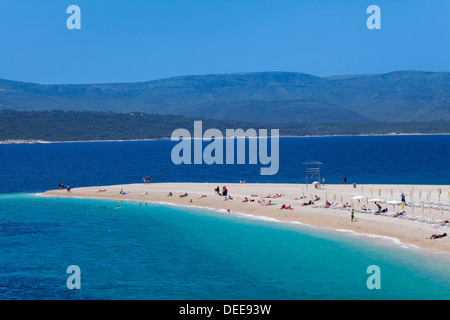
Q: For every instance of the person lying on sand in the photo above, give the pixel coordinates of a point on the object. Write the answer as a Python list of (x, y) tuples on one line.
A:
[(327, 204), (203, 196), (170, 194), (307, 203), (316, 198), (101, 190), (245, 199), (445, 221), (276, 196), (346, 205), (437, 236), (183, 195), (228, 198)]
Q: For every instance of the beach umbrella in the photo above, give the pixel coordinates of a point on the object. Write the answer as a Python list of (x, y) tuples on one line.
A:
[(394, 203), (357, 198)]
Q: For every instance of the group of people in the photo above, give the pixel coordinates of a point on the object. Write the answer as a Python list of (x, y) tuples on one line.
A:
[(61, 187), (224, 191), (146, 180)]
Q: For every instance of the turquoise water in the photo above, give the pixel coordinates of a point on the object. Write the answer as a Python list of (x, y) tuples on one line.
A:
[(166, 252)]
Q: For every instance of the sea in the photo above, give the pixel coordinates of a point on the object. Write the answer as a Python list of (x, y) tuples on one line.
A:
[(159, 251)]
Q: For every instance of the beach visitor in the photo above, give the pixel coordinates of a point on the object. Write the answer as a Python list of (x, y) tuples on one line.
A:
[(68, 188), (437, 236), (345, 180), (217, 190), (148, 179), (403, 197), (145, 181), (353, 214)]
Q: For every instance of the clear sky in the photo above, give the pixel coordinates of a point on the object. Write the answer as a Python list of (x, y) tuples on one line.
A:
[(140, 40)]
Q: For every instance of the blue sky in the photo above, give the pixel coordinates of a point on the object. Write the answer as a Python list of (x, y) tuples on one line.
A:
[(137, 40)]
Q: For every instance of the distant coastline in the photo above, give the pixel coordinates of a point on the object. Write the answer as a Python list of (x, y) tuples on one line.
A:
[(39, 141)]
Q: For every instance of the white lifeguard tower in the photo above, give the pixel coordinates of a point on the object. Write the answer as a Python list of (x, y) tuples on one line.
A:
[(312, 171)]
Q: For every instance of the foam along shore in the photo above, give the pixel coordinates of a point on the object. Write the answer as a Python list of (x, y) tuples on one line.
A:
[(426, 213)]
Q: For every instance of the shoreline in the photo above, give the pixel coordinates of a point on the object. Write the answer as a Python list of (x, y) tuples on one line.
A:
[(39, 141), (404, 229)]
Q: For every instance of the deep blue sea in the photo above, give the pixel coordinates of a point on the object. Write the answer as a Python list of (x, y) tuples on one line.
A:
[(168, 252)]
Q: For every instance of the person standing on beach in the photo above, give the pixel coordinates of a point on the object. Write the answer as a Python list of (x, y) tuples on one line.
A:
[(68, 188), (353, 214), (345, 180), (148, 179), (145, 181)]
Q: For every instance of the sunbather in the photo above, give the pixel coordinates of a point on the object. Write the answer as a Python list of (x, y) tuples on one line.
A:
[(437, 236)]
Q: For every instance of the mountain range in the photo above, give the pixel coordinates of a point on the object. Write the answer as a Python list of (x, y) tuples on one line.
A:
[(270, 97)]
